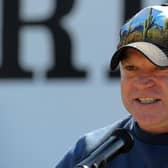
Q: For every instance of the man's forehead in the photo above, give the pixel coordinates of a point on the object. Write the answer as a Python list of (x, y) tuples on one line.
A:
[(127, 52), (130, 50)]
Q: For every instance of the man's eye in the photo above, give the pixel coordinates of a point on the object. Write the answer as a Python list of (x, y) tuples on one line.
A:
[(130, 68)]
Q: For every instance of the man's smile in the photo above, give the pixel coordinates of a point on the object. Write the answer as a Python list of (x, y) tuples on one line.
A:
[(147, 100)]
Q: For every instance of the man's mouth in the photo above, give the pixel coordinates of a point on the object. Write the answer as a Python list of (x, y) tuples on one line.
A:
[(147, 100)]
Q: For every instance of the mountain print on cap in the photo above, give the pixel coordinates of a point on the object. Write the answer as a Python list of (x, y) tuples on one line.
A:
[(150, 25)]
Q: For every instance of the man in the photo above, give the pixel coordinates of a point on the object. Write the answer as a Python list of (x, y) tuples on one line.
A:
[(142, 56)]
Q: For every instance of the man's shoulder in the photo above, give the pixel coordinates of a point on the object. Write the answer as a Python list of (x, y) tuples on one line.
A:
[(96, 137), (90, 141)]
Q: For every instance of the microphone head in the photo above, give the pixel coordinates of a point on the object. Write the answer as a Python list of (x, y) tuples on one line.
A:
[(126, 136)]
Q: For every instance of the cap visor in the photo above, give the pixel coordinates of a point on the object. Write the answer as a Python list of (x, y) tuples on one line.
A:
[(149, 50)]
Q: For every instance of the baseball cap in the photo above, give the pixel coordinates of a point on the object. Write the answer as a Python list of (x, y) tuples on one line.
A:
[(147, 32)]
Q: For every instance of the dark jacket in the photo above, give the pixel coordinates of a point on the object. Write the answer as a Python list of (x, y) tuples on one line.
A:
[(149, 151)]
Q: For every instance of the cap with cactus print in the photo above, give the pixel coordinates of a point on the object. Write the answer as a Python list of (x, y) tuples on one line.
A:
[(146, 31)]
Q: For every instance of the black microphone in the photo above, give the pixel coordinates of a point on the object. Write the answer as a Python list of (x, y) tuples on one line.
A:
[(120, 141)]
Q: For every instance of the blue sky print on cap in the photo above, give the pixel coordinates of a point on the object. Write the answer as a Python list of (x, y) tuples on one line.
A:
[(150, 25)]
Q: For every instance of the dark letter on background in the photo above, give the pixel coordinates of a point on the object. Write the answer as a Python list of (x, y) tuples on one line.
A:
[(63, 62), (130, 8), (10, 67), (63, 65)]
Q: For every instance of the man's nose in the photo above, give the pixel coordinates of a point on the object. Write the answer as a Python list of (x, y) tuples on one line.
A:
[(145, 81)]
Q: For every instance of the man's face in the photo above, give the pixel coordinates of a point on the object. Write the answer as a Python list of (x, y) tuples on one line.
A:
[(144, 88)]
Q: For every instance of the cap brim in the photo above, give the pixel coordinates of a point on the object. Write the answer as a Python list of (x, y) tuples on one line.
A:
[(149, 50)]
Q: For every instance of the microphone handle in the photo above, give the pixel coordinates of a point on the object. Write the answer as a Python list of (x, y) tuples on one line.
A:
[(120, 141), (98, 158)]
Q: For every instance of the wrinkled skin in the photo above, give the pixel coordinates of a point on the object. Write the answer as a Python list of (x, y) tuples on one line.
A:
[(144, 88)]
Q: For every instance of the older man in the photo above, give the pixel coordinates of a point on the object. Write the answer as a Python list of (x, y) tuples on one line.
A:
[(142, 56)]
